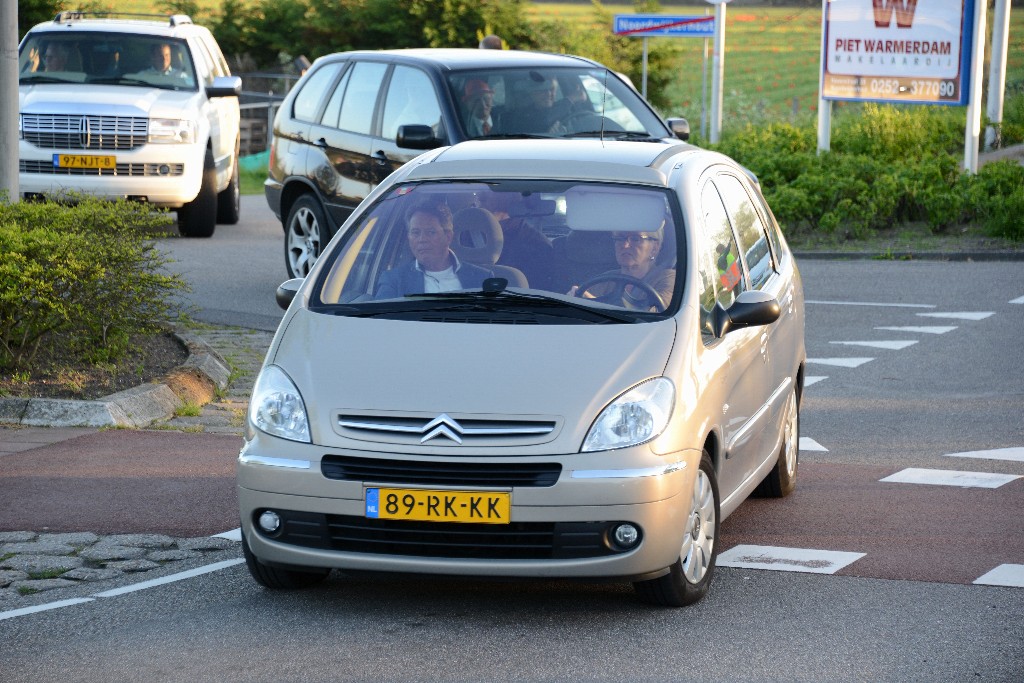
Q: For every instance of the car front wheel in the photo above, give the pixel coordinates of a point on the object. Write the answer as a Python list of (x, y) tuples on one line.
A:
[(198, 218), (229, 200), (781, 481), (689, 577), (305, 234)]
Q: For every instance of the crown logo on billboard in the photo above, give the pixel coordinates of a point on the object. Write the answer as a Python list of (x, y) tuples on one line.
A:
[(884, 9)]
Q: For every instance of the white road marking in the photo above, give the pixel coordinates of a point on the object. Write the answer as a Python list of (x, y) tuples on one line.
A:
[(233, 535), (23, 611), (891, 344), (787, 559), (813, 379), (1018, 300), (1011, 575), (180, 576), (1014, 454), (916, 475), (936, 329), (841, 362), (962, 315), (870, 303), (809, 444)]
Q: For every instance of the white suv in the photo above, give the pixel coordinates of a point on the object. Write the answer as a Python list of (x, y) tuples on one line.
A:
[(140, 109)]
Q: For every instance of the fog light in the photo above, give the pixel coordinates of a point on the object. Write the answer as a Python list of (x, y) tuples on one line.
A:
[(269, 521), (165, 169), (626, 536)]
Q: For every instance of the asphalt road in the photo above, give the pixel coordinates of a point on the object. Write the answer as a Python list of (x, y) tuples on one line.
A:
[(915, 366)]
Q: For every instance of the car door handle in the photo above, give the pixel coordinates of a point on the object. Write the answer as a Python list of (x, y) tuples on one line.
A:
[(380, 157), (321, 143)]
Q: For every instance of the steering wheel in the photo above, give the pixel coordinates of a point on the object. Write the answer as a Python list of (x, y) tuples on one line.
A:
[(622, 281)]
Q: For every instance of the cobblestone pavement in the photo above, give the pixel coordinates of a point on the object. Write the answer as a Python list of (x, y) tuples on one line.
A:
[(36, 566)]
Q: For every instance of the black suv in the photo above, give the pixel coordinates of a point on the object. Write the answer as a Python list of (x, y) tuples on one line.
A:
[(355, 117)]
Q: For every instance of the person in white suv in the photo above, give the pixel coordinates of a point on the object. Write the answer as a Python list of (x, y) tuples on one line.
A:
[(136, 109)]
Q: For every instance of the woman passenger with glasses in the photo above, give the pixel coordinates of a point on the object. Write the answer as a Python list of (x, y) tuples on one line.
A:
[(637, 254)]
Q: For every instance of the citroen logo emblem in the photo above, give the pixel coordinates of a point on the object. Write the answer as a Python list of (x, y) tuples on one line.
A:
[(442, 425)]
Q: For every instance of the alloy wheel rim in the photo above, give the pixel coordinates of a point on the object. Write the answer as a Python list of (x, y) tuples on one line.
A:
[(303, 242), (792, 431), (699, 541)]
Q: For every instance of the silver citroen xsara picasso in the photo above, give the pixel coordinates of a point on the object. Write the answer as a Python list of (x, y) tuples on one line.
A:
[(530, 358)]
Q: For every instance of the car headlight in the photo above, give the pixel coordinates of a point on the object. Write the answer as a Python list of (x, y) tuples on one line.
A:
[(636, 416), (179, 131), (276, 406)]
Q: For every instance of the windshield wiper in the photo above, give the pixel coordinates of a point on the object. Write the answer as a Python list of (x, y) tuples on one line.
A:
[(514, 136), (41, 78), (490, 298), (120, 80), (614, 134)]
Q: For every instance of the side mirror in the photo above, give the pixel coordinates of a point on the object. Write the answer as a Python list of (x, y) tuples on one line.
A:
[(225, 86), (286, 292), (680, 128), (751, 309), (417, 136)]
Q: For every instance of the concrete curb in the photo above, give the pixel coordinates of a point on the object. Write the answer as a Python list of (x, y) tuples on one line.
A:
[(136, 407), (995, 255)]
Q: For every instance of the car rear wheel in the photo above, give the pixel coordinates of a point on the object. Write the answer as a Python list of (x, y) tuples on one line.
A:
[(198, 218), (229, 200), (279, 578), (689, 577), (781, 481), (305, 234)]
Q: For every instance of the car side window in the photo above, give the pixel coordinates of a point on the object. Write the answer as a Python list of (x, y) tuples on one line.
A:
[(203, 61), (361, 97), (307, 102), (753, 238), (333, 110), (721, 248), (411, 99)]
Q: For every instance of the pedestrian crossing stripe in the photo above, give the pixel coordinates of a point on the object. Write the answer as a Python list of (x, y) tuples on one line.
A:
[(809, 444), (1011, 575), (841, 362), (813, 379), (890, 344), (1013, 454), (915, 475), (775, 558), (926, 329), (962, 315), (1018, 300)]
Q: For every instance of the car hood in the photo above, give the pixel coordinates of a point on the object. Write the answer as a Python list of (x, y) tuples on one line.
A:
[(563, 373), (102, 100)]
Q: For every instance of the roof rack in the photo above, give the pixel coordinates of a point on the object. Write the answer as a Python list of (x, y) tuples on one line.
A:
[(77, 15)]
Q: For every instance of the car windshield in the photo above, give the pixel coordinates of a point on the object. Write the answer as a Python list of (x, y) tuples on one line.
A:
[(555, 252), (106, 58), (559, 102)]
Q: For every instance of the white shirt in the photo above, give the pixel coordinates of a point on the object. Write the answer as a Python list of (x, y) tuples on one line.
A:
[(441, 280)]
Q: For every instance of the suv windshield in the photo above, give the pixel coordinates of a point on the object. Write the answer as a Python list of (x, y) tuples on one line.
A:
[(106, 58), (562, 102), (556, 251)]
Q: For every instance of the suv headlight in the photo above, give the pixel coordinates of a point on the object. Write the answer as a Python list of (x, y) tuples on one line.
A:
[(276, 406), (175, 131), (636, 416)]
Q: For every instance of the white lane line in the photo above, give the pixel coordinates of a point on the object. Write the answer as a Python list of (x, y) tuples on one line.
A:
[(180, 576), (1018, 300), (22, 611), (962, 315), (233, 535), (1011, 575), (984, 480), (809, 444), (890, 344), (841, 362), (926, 329), (814, 379), (1014, 454), (787, 559), (869, 303)]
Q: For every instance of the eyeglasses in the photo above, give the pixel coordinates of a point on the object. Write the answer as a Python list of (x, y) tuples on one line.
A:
[(633, 239)]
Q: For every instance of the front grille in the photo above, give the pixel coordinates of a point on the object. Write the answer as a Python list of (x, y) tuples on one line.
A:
[(516, 541), (432, 473), (445, 430), (77, 131), (148, 170)]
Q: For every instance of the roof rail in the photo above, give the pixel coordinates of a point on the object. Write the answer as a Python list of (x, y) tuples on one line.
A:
[(78, 15)]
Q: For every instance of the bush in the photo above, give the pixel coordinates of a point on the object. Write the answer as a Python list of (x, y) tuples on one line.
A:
[(81, 278)]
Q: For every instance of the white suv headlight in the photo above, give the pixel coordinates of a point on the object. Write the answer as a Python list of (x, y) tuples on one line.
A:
[(636, 416), (276, 406), (177, 131)]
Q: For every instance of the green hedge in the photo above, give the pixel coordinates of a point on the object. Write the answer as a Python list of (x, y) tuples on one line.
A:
[(888, 166), (80, 278)]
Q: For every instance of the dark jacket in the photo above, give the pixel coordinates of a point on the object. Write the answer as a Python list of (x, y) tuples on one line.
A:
[(408, 279)]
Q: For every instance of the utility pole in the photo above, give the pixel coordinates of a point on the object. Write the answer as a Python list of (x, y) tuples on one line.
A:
[(9, 99)]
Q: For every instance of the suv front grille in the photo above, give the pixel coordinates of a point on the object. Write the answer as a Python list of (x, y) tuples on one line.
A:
[(432, 473), (516, 541), (122, 169), (76, 131)]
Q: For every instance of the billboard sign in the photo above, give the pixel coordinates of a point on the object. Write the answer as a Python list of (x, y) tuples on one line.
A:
[(661, 25), (907, 51)]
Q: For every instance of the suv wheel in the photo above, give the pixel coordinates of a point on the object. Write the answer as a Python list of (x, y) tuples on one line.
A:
[(198, 218), (229, 200), (305, 233)]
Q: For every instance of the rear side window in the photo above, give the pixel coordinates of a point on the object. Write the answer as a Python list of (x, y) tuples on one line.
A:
[(361, 97), (307, 103)]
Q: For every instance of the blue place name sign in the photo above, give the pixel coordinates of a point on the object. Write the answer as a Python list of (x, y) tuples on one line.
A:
[(648, 25)]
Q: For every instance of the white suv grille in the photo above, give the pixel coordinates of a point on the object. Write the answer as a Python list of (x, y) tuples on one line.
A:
[(74, 131)]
